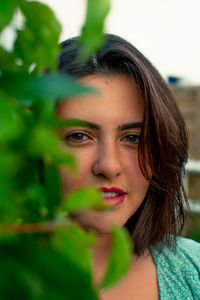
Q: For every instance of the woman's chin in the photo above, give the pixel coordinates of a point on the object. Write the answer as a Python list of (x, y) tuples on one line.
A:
[(95, 220)]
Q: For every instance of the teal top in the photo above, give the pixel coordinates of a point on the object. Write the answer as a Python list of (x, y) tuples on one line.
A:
[(178, 272)]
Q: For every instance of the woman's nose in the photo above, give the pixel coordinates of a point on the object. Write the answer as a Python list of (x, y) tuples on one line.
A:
[(108, 162)]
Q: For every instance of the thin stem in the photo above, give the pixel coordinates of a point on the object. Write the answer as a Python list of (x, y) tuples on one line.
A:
[(32, 227)]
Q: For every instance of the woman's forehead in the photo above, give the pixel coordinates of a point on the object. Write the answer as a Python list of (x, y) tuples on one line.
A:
[(117, 97)]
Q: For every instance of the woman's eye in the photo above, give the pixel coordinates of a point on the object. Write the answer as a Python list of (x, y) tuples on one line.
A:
[(131, 139), (76, 137)]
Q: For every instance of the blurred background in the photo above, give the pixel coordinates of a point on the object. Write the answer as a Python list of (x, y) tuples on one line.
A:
[(167, 32)]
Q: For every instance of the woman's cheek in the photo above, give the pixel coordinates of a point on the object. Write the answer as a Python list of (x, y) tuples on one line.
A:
[(72, 179)]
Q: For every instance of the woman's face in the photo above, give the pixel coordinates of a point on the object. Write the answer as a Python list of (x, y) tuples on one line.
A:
[(106, 150)]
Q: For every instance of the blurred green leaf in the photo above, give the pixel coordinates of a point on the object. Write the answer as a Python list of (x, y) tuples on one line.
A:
[(27, 279), (75, 245), (120, 257), (83, 198), (9, 165), (8, 118), (72, 241), (193, 226), (7, 61), (47, 270), (38, 42), (27, 284), (6, 11), (46, 144), (36, 200), (62, 158), (42, 141), (92, 30), (40, 266), (67, 123), (52, 188), (27, 87)]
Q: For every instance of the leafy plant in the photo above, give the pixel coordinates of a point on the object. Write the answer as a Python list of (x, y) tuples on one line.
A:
[(39, 246), (193, 226)]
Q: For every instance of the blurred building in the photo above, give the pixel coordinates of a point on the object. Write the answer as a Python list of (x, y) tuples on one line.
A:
[(188, 100)]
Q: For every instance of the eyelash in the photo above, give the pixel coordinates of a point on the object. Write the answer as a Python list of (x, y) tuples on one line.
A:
[(134, 141), (136, 138), (71, 136)]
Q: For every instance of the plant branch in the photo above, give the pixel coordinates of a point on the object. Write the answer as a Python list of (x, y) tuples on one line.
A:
[(32, 227)]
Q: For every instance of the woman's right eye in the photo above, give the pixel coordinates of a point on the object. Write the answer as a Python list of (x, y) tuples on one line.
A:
[(76, 137)]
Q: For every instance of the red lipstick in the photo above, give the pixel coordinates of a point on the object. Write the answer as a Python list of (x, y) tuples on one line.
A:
[(113, 195)]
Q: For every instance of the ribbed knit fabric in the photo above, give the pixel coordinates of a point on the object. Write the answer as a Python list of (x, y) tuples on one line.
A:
[(178, 272)]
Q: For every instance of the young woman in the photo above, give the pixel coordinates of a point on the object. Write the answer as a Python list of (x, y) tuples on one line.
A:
[(133, 148)]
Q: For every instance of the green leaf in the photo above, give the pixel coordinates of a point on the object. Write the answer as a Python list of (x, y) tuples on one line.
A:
[(9, 164), (6, 11), (38, 42), (75, 245), (92, 31), (63, 273), (83, 198), (120, 257), (42, 141), (26, 276), (7, 61), (52, 188), (67, 123), (27, 87), (46, 144), (34, 266), (9, 128), (26, 283), (62, 158), (36, 201), (72, 241), (55, 269)]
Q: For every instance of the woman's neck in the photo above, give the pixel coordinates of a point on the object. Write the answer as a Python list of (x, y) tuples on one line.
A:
[(101, 251)]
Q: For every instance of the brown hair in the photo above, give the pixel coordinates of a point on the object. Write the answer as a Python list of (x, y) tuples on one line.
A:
[(163, 141)]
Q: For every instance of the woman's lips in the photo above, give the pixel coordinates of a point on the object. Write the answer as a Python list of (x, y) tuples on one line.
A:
[(113, 196)]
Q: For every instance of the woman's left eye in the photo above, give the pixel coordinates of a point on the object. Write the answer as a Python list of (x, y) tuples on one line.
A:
[(131, 139)]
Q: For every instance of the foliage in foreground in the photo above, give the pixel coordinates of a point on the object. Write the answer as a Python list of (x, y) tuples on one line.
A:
[(42, 254)]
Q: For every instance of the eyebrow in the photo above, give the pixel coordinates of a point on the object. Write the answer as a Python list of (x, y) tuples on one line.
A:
[(130, 125), (78, 122)]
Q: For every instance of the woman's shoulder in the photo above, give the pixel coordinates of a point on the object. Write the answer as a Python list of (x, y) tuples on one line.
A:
[(178, 270), (187, 249)]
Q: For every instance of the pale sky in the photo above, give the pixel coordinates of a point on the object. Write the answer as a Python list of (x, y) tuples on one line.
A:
[(166, 31)]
